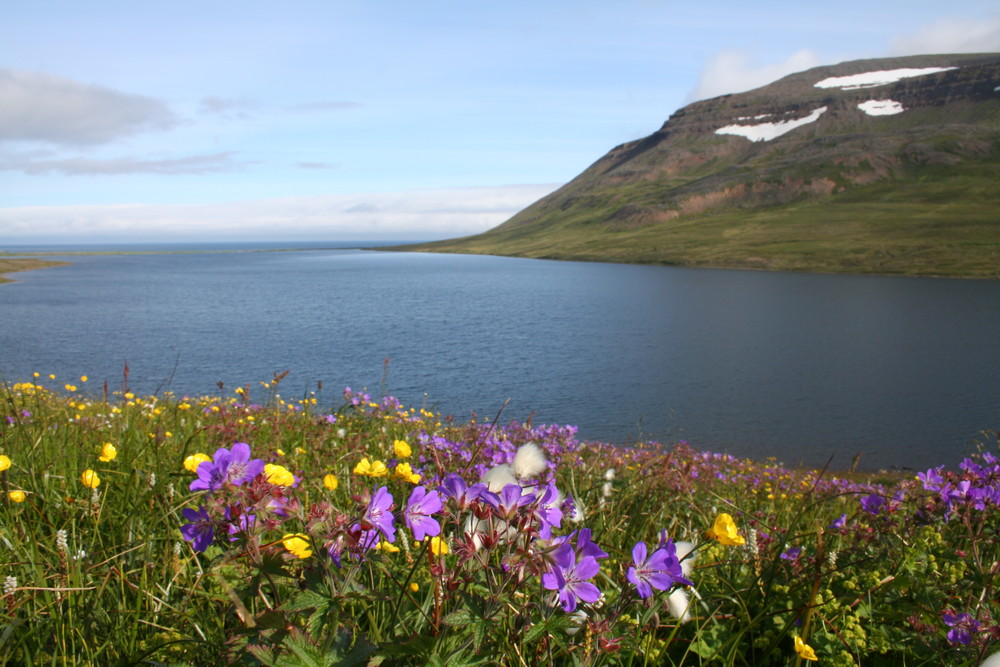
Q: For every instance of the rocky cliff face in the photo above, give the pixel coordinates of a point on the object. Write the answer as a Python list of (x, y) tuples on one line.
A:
[(808, 135)]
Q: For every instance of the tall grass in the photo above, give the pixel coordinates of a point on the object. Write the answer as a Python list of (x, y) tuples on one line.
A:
[(305, 562)]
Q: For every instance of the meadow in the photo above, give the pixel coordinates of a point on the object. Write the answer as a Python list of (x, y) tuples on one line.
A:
[(251, 528)]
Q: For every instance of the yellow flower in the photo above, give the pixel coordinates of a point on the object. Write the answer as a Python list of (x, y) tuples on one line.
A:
[(414, 586), (83, 378), (804, 650), (724, 530), (438, 546), (297, 544), (279, 451), (387, 547), (108, 453), (402, 449), (405, 473), (17, 496), (371, 469), (90, 479), (278, 475), (330, 482), (192, 462), (4, 462), (70, 387)]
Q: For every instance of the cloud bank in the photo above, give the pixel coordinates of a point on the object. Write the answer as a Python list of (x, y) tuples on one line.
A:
[(951, 36), (36, 106), (411, 215), (736, 71)]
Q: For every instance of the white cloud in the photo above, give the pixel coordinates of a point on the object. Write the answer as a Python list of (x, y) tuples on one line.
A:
[(951, 36), (736, 71), (36, 106), (35, 163), (420, 214)]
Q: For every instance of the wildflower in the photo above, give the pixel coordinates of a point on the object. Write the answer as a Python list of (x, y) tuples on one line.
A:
[(569, 577), (278, 475), (107, 453), (228, 466), (840, 523), (872, 504), (62, 544), (4, 462), (90, 479), (414, 586), (16, 496), (724, 530), (548, 511), (438, 546), (405, 473), (9, 585), (379, 515), (804, 650), (962, 627), (192, 462), (455, 488), (370, 468), (792, 553), (661, 570), (419, 508), (200, 531), (511, 498), (297, 544), (402, 449), (330, 482)]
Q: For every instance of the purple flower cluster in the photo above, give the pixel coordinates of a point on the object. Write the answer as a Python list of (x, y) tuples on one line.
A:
[(962, 627), (227, 467), (978, 487), (660, 570)]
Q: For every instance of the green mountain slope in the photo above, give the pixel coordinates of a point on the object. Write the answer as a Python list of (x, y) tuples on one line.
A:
[(897, 173)]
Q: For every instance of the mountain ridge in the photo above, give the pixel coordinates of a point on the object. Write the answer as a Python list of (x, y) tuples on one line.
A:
[(887, 165)]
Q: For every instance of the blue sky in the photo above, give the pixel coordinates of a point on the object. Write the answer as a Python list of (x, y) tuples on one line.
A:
[(371, 120)]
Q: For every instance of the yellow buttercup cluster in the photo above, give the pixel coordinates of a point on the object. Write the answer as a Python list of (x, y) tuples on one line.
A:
[(371, 468), (405, 472)]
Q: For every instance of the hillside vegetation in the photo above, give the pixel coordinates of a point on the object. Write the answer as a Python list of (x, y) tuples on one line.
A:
[(915, 191)]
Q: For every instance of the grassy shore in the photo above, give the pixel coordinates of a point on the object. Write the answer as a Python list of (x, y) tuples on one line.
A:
[(135, 529), (12, 265)]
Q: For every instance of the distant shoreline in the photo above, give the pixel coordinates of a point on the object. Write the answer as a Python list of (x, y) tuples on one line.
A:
[(24, 264)]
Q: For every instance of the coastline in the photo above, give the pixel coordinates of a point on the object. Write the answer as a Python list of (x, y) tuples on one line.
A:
[(24, 264)]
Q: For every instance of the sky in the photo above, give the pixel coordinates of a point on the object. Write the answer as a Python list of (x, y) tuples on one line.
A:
[(378, 120)]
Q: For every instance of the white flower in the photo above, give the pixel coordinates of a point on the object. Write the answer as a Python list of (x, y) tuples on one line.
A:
[(9, 585)]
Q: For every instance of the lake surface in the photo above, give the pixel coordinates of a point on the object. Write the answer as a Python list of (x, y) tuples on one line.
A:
[(796, 366)]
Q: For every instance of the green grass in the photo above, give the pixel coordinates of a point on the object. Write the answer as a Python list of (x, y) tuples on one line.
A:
[(865, 567)]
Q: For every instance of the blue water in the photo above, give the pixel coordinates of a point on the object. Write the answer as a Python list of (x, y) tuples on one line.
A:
[(796, 366)]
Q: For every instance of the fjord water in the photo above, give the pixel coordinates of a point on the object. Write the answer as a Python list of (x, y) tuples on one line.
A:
[(799, 367)]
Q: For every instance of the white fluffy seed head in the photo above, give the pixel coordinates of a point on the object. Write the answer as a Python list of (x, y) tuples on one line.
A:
[(529, 461), (678, 602), (687, 564), (498, 477)]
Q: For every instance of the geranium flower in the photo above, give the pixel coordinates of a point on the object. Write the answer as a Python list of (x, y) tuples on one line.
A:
[(90, 479), (228, 466), (963, 626), (872, 503), (419, 508), (569, 577), (548, 511), (379, 514), (804, 650), (724, 530), (661, 570), (455, 488), (200, 531)]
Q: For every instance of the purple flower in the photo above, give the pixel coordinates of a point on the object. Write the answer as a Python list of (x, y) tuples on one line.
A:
[(548, 511), (419, 508), (840, 523), (661, 570), (200, 531), (931, 479), (454, 487), (233, 467), (569, 577), (962, 628), (510, 499), (379, 514), (873, 503), (792, 553)]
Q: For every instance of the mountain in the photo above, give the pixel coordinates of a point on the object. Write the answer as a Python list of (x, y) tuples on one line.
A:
[(872, 166)]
